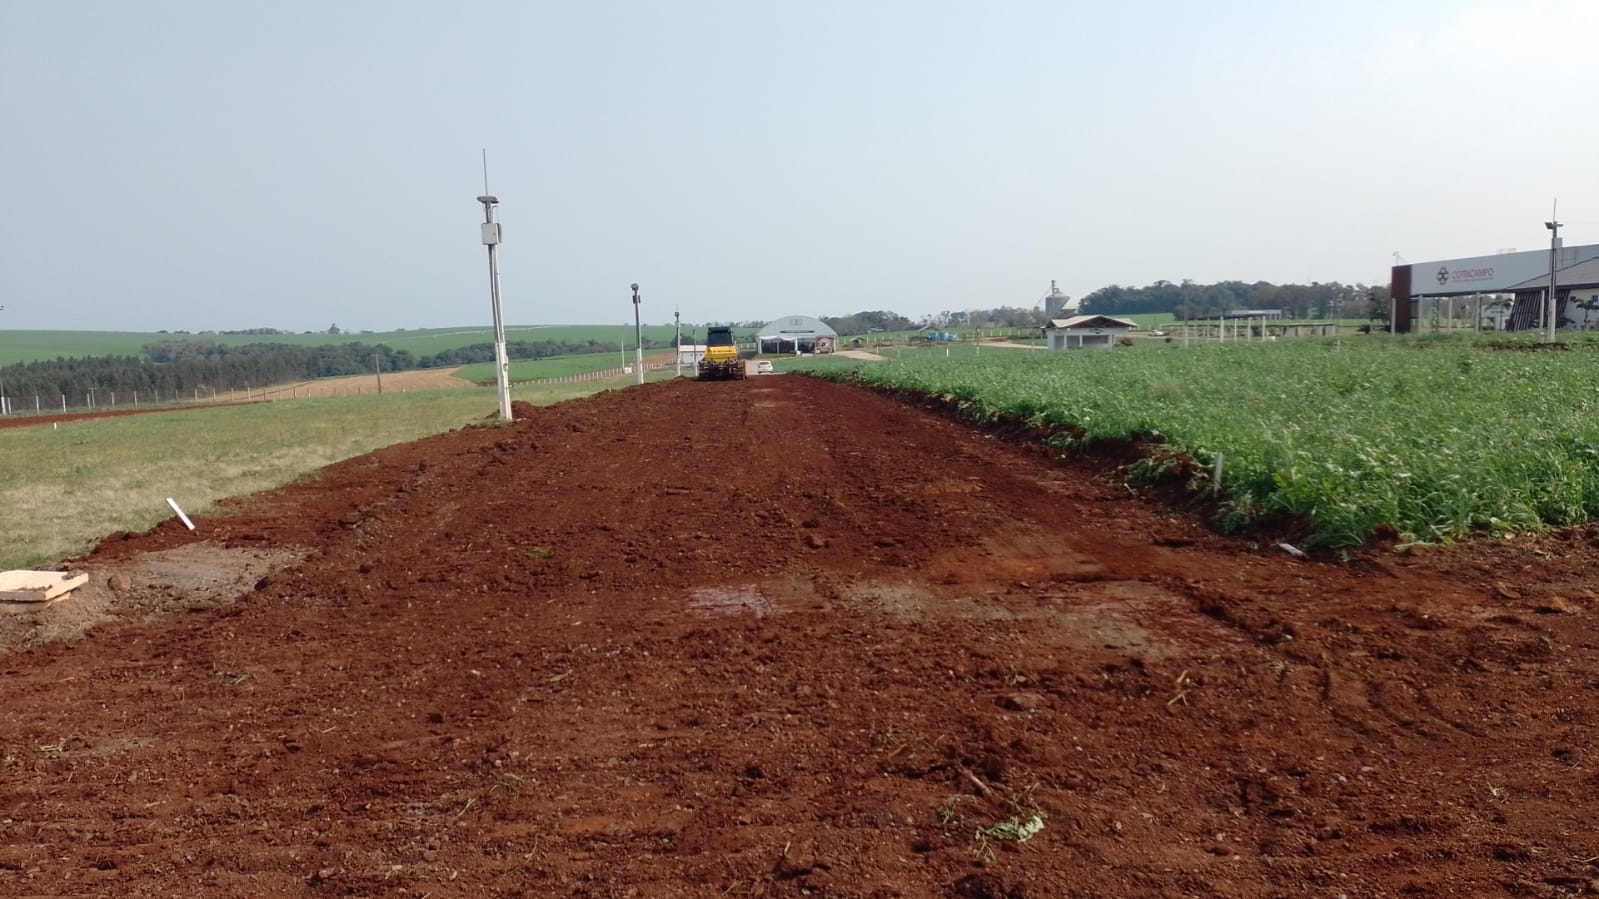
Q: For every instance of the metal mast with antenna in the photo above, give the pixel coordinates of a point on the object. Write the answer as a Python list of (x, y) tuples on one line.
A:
[(491, 239), (1549, 299)]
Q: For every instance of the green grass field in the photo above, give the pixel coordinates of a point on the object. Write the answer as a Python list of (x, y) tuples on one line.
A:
[(1436, 436), (61, 489)]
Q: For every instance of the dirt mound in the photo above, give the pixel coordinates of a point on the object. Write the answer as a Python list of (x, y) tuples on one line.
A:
[(782, 637)]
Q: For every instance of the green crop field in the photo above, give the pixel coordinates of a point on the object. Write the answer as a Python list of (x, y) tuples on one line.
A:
[(1440, 438), (62, 488)]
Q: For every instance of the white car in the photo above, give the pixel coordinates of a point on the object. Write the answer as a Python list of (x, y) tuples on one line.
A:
[(763, 367)]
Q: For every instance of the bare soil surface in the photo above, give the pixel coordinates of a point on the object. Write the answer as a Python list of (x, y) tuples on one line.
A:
[(393, 381), (781, 637)]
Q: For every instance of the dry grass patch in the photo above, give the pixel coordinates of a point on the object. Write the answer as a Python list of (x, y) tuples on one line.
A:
[(61, 489)]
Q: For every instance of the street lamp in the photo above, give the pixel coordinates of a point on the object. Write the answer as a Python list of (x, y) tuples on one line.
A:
[(1549, 300)]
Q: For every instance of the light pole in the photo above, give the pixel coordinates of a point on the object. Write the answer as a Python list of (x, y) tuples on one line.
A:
[(502, 366), (677, 321), (1549, 300), (638, 329)]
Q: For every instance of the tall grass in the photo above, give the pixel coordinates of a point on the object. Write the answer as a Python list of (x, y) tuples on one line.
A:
[(1438, 438), (63, 487)]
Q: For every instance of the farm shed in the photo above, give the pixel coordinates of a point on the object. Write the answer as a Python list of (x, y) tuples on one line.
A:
[(1086, 332), (796, 334), (1304, 329)]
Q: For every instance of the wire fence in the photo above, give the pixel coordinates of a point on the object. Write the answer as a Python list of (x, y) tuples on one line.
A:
[(97, 400)]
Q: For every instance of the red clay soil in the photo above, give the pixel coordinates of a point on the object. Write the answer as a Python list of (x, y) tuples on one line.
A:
[(31, 419), (781, 637)]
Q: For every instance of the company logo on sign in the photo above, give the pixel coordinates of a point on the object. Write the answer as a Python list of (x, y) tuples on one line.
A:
[(1464, 274)]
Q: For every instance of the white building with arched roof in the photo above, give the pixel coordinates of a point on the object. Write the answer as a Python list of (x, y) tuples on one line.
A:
[(796, 334)]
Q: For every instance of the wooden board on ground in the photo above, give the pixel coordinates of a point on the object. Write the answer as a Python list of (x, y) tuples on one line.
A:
[(38, 586)]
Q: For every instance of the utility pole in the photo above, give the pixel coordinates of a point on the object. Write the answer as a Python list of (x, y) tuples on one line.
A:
[(1549, 299), (638, 329), (377, 366), (491, 239), (677, 322)]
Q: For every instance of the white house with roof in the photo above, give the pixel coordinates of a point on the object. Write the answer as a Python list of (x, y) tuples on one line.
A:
[(1086, 332)]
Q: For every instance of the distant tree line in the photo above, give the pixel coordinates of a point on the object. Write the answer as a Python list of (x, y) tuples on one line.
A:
[(861, 323), (869, 323), (1191, 300), (182, 366)]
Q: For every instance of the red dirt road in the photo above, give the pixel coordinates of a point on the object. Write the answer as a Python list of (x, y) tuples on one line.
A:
[(780, 637)]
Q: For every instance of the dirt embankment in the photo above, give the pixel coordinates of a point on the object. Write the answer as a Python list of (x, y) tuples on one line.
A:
[(780, 637)]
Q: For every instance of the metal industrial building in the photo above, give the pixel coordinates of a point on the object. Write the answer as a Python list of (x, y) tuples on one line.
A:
[(1058, 305), (796, 334), (1525, 274)]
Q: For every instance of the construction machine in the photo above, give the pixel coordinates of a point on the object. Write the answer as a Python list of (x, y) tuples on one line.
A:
[(721, 361)]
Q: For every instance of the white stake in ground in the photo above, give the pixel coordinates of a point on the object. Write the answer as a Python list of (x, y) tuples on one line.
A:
[(182, 517)]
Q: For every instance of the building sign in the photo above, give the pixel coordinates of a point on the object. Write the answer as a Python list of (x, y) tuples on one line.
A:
[(1490, 274), (1462, 275)]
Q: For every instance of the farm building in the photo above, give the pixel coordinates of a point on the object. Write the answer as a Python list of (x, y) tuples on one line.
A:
[(796, 334), (1576, 297), (1416, 286), (1086, 332)]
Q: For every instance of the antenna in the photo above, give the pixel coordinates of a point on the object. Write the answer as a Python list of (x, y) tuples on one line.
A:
[(491, 239)]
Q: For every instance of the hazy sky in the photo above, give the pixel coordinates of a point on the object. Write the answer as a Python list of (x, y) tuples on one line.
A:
[(199, 165)]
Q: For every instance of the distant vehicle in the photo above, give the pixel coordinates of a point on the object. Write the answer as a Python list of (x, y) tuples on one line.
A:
[(1157, 333), (763, 367), (721, 361), (939, 337)]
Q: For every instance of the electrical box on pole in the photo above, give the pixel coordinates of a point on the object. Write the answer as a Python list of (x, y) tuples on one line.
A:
[(491, 239), (1550, 313)]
